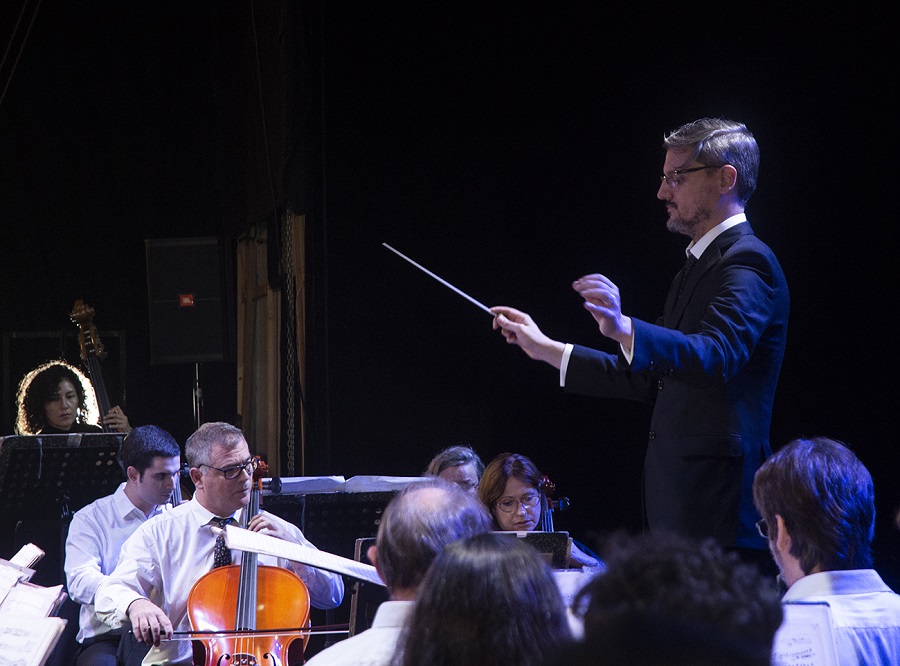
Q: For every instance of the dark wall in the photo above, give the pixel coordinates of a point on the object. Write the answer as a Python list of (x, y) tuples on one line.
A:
[(509, 148)]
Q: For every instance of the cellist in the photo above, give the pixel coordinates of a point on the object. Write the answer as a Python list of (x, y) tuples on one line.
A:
[(164, 558)]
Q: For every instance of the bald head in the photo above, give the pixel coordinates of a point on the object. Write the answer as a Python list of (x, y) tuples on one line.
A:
[(417, 524)]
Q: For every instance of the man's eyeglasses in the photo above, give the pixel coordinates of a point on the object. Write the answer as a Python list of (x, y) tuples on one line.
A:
[(509, 504), (234, 471), (763, 528), (674, 179)]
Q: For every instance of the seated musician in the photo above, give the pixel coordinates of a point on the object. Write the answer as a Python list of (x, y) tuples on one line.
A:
[(416, 526), (151, 458), (56, 398), (166, 556), (458, 464), (510, 488)]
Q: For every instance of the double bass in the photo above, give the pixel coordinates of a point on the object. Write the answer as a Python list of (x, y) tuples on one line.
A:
[(92, 352), (252, 602)]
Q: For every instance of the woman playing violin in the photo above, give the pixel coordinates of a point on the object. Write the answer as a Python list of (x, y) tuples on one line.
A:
[(57, 398)]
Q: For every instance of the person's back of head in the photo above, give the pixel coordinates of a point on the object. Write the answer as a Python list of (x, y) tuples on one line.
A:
[(657, 640), (826, 498), (145, 443), (488, 599), (704, 601), (418, 523)]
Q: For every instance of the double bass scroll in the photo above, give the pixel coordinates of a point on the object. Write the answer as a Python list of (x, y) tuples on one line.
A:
[(92, 352)]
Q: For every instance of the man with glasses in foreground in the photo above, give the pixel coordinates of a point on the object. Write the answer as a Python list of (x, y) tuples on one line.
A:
[(817, 500), (710, 363), (166, 556)]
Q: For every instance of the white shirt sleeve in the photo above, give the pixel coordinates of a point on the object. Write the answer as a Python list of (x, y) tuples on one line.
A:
[(564, 364)]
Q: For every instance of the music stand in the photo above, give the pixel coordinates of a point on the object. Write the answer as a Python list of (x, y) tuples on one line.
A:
[(365, 598), (46, 478)]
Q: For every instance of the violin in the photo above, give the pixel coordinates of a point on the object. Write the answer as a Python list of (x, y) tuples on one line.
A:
[(254, 600), (92, 352)]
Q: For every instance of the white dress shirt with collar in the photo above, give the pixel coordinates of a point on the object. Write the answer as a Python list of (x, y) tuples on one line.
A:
[(163, 559), (373, 647), (865, 613), (96, 534)]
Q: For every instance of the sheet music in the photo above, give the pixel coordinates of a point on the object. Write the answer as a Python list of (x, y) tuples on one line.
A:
[(302, 485), (28, 556), (372, 484), (254, 542), (805, 637), (28, 641), (28, 600)]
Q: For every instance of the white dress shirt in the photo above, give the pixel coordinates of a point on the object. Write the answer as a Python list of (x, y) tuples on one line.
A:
[(373, 647), (95, 539), (163, 559), (865, 613)]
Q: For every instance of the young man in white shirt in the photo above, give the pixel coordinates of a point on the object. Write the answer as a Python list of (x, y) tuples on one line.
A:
[(151, 458)]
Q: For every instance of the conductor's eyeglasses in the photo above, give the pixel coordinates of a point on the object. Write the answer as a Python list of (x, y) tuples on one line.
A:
[(234, 471), (763, 528), (510, 504), (674, 179)]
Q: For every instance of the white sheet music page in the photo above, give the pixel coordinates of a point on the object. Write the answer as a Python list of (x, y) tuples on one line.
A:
[(28, 556), (805, 637), (28, 641), (254, 542)]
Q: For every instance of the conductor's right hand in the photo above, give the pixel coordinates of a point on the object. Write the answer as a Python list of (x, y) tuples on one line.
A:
[(519, 329), (149, 624)]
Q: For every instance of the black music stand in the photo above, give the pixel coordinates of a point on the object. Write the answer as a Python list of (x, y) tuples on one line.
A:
[(46, 478), (365, 597)]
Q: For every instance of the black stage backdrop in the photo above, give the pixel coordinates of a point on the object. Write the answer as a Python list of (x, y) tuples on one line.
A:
[(509, 148)]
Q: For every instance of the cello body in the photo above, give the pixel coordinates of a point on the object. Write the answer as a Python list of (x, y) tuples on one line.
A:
[(282, 601)]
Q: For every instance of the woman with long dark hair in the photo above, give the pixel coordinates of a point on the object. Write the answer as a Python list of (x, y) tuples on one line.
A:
[(488, 599)]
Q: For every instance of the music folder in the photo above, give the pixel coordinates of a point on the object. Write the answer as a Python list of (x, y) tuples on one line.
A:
[(254, 542), (554, 546)]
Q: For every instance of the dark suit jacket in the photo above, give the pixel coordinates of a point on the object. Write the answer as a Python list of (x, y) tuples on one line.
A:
[(710, 365)]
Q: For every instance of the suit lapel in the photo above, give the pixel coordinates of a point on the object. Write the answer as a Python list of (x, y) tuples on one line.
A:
[(675, 304)]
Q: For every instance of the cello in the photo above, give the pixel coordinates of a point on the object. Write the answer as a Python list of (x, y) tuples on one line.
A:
[(253, 601), (92, 352), (548, 488)]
